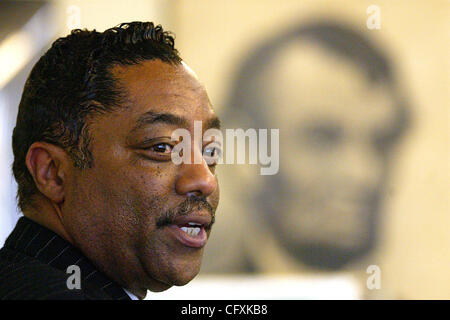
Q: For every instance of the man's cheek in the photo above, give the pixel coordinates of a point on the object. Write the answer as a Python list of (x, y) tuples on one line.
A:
[(215, 197), (154, 181)]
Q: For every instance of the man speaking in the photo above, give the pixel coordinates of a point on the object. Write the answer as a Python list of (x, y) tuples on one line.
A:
[(101, 198)]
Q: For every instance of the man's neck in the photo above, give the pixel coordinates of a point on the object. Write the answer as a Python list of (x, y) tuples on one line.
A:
[(48, 215)]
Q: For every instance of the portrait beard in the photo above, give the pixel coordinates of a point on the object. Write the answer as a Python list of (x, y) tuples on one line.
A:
[(322, 255)]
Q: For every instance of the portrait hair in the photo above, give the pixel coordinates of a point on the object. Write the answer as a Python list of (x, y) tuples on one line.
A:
[(248, 101)]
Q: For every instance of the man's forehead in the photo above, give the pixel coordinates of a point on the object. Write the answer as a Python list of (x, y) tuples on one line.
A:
[(156, 77), (161, 88)]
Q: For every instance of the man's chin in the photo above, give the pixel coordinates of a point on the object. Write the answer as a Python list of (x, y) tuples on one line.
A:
[(176, 277), (160, 287), (184, 279)]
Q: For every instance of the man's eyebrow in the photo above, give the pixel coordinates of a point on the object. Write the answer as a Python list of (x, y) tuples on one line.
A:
[(213, 122), (152, 117)]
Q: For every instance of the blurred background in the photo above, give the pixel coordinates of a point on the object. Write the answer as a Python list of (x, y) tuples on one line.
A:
[(359, 92)]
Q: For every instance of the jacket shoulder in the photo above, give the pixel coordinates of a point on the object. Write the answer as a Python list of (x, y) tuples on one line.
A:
[(26, 278)]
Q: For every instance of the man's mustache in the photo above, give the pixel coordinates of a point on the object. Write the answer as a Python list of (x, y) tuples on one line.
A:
[(186, 207)]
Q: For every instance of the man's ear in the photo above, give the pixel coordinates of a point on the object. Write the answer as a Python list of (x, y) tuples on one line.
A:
[(47, 164)]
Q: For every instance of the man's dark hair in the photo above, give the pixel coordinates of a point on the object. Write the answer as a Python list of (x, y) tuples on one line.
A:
[(72, 81)]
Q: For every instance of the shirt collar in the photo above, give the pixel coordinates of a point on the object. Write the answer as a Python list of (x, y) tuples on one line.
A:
[(132, 296)]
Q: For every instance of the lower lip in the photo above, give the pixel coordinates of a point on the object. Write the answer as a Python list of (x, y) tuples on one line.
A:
[(197, 241)]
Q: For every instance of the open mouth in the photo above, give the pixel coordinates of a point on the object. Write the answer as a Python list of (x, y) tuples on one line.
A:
[(192, 228), (190, 233)]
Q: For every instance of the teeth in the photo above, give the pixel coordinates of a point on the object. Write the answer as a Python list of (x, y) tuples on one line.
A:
[(191, 231), (194, 224)]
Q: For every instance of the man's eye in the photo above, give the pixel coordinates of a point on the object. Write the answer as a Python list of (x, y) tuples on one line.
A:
[(161, 148), (212, 154)]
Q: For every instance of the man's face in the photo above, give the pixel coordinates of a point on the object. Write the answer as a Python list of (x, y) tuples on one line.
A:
[(335, 130), (126, 212)]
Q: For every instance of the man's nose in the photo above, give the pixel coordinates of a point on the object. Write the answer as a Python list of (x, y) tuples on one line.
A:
[(196, 179)]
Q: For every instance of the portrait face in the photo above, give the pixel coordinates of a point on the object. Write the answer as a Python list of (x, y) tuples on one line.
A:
[(126, 212), (336, 129)]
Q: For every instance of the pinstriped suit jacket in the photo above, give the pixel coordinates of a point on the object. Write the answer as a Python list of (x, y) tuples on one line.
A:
[(34, 262)]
